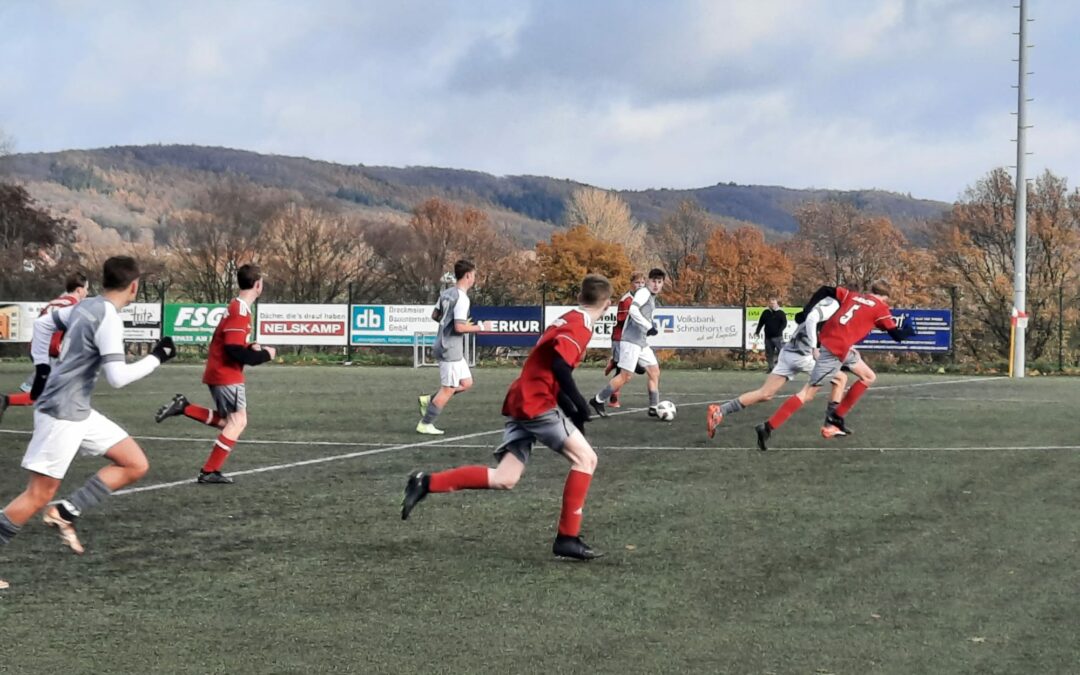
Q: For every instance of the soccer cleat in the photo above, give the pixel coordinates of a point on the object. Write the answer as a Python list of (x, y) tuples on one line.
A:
[(172, 408), (598, 406), (3, 584), (714, 417), (838, 422), (652, 411), (614, 403), (214, 478), (763, 432), (424, 401), (3, 405), (609, 367), (416, 488), (428, 429), (52, 518), (573, 547), (830, 431)]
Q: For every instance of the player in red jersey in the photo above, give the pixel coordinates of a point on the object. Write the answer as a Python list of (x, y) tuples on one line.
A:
[(230, 351), (76, 289), (543, 404), (858, 315), (637, 280)]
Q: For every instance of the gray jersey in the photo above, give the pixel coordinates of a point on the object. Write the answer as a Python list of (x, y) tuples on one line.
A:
[(633, 332), (454, 306), (805, 338), (94, 334)]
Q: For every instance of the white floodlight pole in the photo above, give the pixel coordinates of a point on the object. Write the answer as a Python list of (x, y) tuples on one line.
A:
[(1020, 217)]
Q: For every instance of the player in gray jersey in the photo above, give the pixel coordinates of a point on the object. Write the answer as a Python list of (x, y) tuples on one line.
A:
[(635, 354), (452, 313), (65, 424), (798, 355)]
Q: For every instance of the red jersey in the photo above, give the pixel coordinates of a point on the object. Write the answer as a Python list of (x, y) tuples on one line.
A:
[(621, 313), (535, 391), (232, 330), (858, 315), (65, 300)]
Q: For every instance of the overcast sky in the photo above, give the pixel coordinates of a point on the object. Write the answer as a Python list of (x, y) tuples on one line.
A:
[(906, 95)]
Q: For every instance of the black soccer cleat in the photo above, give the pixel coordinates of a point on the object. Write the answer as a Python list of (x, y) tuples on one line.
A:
[(652, 411), (598, 406), (573, 547), (214, 478), (763, 432), (416, 488), (172, 408), (3, 405), (839, 423)]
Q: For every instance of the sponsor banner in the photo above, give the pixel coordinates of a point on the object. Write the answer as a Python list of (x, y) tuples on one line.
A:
[(679, 327), (192, 323), (302, 324), (390, 324), (17, 320), (508, 326), (935, 333), (753, 315), (142, 321)]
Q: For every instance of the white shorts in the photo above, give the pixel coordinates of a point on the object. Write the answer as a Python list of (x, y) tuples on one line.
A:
[(789, 364), (631, 355), (451, 373), (56, 442)]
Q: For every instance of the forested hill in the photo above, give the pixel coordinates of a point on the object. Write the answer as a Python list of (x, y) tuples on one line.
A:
[(134, 187)]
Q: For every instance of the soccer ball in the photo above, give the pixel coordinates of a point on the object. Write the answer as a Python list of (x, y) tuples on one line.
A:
[(665, 411)]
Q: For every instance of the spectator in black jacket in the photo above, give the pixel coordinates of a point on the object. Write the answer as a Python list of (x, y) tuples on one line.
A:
[(773, 320)]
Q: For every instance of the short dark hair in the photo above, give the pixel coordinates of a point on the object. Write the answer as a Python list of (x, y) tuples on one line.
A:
[(118, 272), (657, 273), (74, 281), (461, 268), (247, 275), (595, 288), (881, 287)]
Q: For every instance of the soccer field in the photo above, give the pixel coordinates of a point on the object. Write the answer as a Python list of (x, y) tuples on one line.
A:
[(940, 538)]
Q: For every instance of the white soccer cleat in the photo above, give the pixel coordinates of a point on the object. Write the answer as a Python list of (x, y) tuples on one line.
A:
[(428, 429), (52, 518), (3, 584)]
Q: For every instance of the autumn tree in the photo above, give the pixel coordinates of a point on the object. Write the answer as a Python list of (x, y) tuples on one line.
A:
[(608, 218), (221, 232), (35, 247), (975, 241), (741, 265), (679, 241), (313, 255), (573, 253)]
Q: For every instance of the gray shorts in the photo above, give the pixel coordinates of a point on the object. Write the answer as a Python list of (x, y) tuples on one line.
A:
[(790, 363), (551, 428), (829, 366), (229, 398)]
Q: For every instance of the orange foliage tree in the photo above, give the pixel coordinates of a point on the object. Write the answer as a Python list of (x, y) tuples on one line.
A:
[(741, 265), (573, 253)]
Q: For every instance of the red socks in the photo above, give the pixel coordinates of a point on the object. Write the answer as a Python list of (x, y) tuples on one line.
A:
[(204, 415), (22, 398), (222, 447), (573, 501), (787, 410), (461, 478), (853, 394)]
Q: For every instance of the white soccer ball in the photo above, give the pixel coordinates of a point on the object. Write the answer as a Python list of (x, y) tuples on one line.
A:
[(665, 410)]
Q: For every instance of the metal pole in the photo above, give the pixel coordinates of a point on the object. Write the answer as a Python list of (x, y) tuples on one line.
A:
[(1020, 218), (1061, 326), (348, 333), (952, 327)]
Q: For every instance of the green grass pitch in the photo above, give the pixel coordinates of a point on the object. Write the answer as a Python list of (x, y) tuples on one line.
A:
[(940, 538)]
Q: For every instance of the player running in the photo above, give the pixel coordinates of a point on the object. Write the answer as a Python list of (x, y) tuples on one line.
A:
[(76, 289), (634, 350), (637, 281), (858, 314), (798, 355), (65, 424), (452, 313), (543, 404), (224, 375)]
